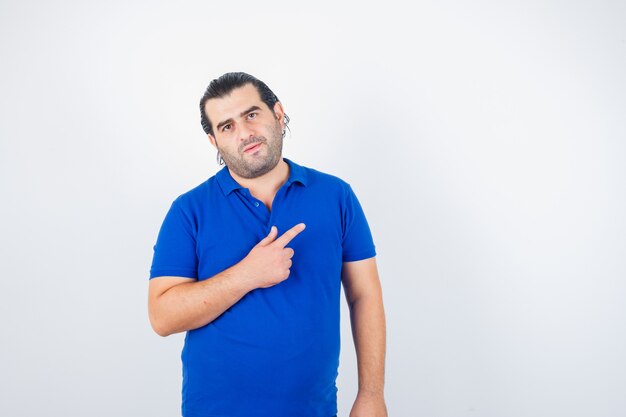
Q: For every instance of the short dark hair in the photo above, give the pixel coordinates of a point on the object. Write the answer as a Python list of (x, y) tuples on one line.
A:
[(225, 84)]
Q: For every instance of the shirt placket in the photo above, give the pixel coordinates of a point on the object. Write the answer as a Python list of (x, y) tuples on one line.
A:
[(267, 217)]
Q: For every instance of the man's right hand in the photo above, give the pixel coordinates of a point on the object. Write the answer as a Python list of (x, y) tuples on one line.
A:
[(175, 304), (268, 263)]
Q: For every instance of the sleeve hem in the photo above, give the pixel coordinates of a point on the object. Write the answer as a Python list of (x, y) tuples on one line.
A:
[(185, 273), (358, 256)]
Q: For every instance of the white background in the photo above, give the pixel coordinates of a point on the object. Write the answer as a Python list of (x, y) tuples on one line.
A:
[(485, 141)]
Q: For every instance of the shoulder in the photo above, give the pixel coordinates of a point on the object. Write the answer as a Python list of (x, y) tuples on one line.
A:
[(325, 181), (195, 197)]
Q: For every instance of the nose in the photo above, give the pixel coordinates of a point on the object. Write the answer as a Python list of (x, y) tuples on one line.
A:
[(245, 133)]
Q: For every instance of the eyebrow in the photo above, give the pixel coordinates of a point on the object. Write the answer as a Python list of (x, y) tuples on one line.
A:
[(243, 113)]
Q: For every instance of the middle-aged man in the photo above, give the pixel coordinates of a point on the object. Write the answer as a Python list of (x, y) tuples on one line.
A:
[(250, 264)]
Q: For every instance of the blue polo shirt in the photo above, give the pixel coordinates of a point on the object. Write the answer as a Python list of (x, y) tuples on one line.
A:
[(274, 353)]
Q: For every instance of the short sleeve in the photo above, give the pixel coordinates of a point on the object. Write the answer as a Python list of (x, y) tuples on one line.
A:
[(357, 241), (175, 249)]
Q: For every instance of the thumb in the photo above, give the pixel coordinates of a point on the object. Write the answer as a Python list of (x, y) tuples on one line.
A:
[(269, 238)]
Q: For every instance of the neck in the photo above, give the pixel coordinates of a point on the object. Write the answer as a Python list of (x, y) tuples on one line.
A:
[(267, 183)]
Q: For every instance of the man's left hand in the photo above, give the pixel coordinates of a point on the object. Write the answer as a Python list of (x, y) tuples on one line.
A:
[(369, 405)]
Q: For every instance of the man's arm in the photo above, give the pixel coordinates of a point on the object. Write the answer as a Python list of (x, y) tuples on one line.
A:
[(367, 316), (177, 304)]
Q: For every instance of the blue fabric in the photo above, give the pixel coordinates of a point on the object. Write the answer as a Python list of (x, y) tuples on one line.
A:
[(276, 351)]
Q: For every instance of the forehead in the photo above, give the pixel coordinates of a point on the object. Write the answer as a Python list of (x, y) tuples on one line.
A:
[(232, 105)]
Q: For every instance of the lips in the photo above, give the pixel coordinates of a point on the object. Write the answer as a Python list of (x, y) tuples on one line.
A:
[(252, 147)]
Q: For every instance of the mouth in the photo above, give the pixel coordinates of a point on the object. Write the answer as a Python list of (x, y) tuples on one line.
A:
[(253, 147)]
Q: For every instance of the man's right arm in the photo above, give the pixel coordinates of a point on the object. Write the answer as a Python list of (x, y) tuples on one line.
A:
[(177, 304)]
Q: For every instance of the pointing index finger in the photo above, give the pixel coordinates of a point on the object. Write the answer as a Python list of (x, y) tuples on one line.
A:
[(290, 234)]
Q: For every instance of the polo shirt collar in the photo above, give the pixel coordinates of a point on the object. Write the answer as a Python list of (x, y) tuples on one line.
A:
[(297, 173)]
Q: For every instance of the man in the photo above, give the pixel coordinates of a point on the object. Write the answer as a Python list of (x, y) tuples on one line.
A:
[(250, 264)]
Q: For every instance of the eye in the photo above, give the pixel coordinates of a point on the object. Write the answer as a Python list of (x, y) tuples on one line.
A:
[(252, 115), (226, 127)]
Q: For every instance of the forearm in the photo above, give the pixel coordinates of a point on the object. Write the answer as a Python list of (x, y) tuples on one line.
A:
[(367, 317), (192, 305)]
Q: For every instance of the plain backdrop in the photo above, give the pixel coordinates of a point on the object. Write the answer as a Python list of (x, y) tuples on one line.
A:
[(485, 141)]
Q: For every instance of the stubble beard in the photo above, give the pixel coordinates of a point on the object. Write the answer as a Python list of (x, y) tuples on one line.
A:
[(255, 166)]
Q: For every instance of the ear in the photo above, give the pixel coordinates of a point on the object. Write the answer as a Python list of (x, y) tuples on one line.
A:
[(280, 113), (212, 140)]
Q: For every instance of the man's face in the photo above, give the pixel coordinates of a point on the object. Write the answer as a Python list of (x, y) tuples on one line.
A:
[(247, 134)]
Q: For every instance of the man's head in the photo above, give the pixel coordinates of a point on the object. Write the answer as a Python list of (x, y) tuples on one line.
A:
[(238, 110)]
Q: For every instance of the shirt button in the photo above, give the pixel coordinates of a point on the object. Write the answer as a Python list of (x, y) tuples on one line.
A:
[(256, 204)]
